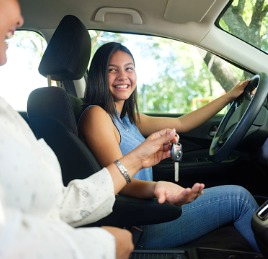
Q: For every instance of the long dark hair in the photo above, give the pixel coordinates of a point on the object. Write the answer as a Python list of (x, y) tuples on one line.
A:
[(97, 90)]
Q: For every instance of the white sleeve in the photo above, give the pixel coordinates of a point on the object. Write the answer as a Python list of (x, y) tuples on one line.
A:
[(27, 236), (88, 200)]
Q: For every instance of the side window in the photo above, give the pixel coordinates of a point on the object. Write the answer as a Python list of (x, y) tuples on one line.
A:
[(20, 75), (172, 76)]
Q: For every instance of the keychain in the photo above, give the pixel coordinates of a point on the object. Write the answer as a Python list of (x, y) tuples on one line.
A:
[(176, 156)]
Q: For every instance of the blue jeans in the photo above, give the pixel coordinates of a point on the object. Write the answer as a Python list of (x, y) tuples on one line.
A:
[(216, 207)]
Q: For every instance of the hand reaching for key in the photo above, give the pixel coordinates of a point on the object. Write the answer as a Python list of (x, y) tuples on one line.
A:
[(175, 194)]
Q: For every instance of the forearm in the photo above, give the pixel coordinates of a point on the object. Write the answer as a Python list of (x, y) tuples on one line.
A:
[(140, 189), (133, 164), (198, 117)]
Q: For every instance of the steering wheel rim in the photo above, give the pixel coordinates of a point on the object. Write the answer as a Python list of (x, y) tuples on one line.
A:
[(238, 119)]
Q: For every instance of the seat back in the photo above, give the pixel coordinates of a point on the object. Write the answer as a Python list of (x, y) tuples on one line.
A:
[(51, 117)]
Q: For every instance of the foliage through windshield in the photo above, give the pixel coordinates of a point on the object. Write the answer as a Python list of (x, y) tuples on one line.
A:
[(173, 76), (247, 20)]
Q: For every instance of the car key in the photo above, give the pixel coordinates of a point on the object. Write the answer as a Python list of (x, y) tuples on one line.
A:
[(176, 156)]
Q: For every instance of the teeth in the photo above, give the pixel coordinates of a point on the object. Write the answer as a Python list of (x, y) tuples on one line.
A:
[(9, 35), (121, 86)]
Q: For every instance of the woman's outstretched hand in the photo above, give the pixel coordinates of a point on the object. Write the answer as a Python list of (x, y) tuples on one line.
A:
[(175, 194)]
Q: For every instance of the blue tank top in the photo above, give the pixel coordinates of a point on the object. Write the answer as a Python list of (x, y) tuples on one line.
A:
[(130, 138)]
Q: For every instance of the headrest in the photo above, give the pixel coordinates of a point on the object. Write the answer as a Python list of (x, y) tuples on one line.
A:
[(68, 52)]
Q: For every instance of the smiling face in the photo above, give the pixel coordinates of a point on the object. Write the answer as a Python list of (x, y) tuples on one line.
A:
[(10, 19), (121, 76)]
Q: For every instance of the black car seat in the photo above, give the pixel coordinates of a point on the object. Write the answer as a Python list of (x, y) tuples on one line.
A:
[(53, 115)]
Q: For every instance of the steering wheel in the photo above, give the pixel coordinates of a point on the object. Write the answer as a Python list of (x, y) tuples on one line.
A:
[(239, 118)]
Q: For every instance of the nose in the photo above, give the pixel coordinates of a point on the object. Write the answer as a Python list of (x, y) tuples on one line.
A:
[(20, 22), (122, 76)]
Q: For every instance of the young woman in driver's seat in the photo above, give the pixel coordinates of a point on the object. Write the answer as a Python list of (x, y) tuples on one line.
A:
[(112, 115)]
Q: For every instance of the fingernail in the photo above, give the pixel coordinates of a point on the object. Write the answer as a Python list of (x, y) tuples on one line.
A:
[(172, 132)]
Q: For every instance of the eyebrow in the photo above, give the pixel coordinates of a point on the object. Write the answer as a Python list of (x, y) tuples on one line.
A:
[(130, 63)]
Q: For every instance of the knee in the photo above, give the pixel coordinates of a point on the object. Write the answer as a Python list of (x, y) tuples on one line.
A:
[(242, 194)]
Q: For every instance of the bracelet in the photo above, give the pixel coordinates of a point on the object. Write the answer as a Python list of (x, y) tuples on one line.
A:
[(122, 170)]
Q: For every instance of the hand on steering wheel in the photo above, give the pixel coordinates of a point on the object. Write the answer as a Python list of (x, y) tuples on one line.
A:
[(240, 118)]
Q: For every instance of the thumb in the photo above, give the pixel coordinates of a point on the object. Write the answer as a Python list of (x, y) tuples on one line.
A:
[(161, 197)]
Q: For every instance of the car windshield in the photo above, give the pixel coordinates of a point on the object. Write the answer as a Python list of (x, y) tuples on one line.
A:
[(247, 20)]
